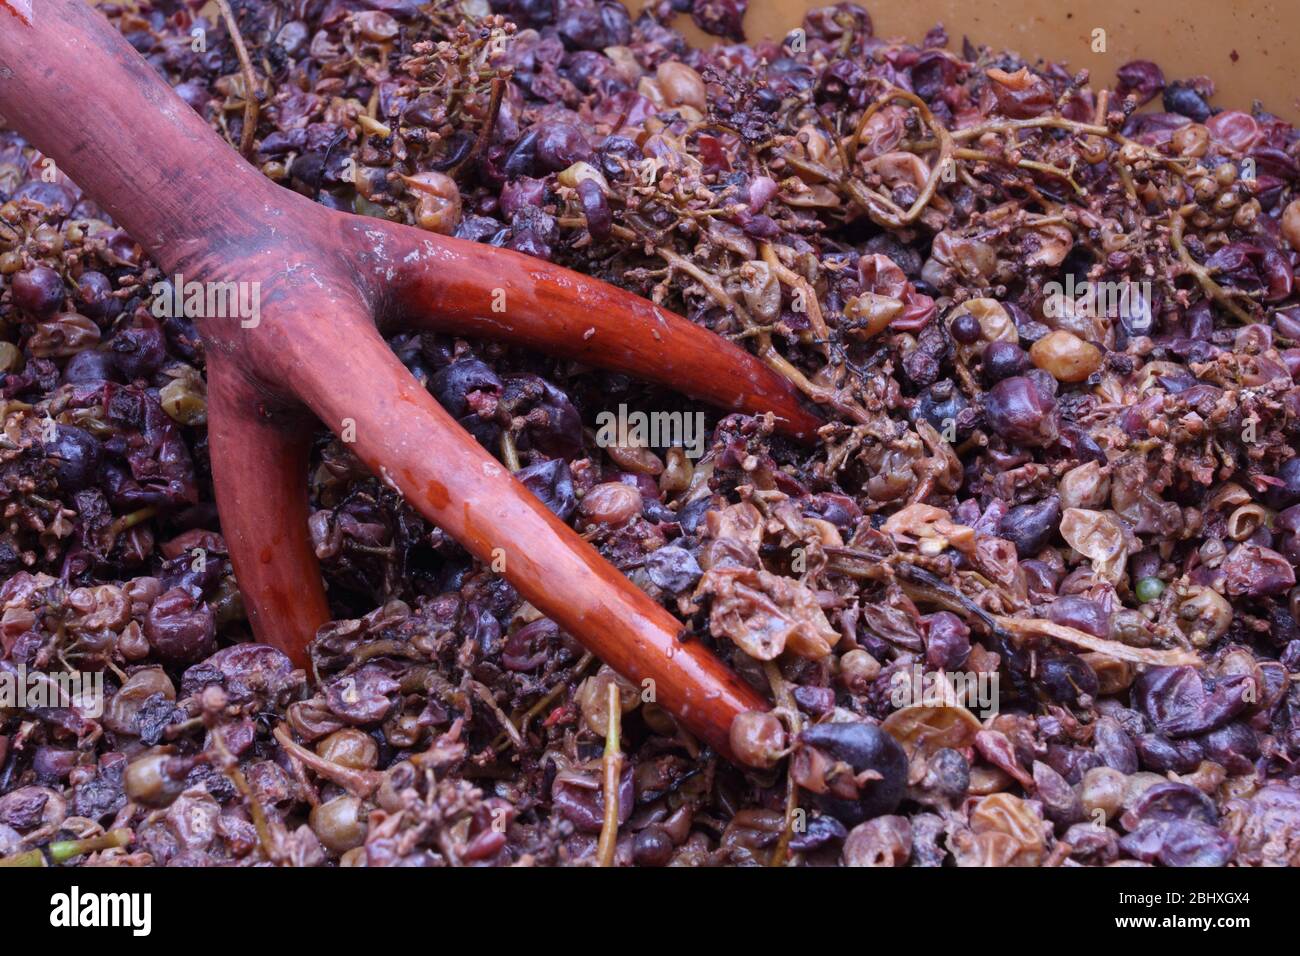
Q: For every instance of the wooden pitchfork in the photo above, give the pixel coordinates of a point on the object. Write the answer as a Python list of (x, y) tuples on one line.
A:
[(329, 282)]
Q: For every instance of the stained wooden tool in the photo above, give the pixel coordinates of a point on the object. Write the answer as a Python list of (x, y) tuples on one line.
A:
[(78, 91)]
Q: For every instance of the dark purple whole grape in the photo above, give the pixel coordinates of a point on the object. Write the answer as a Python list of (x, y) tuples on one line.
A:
[(529, 243), (821, 830), (1288, 492), (53, 764), (1233, 746), (536, 13), (1160, 754), (672, 568), (1113, 744), (522, 158), (37, 291), (139, 349), (767, 100), (1061, 803), (183, 337), (559, 146), (943, 405), (1082, 614), (690, 516), (1067, 679), (947, 641), (180, 628), (527, 13), (1002, 359), (520, 192), (90, 367), (1183, 99), (593, 72), (121, 247), (95, 297), (763, 226), (652, 846), (1018, 410), (840, 510), (817, 701), (309, 168), (1071, 762), (195, 94), (721, 18), (596, 209), (1144, 564), (1041, 578), (1029, 527), (863, 747), (76, 455), (966, 329), (183, 571), (595, 28), (552, 483)]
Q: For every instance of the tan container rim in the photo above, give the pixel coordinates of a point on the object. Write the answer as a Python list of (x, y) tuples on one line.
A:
[(1250, 48)]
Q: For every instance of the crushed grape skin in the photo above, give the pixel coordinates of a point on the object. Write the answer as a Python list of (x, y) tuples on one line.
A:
[(1100, 506)]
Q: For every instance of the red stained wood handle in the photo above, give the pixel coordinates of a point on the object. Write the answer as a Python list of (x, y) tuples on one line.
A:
[(77, 90), (449, 285), (407, 438), (260, 454)]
